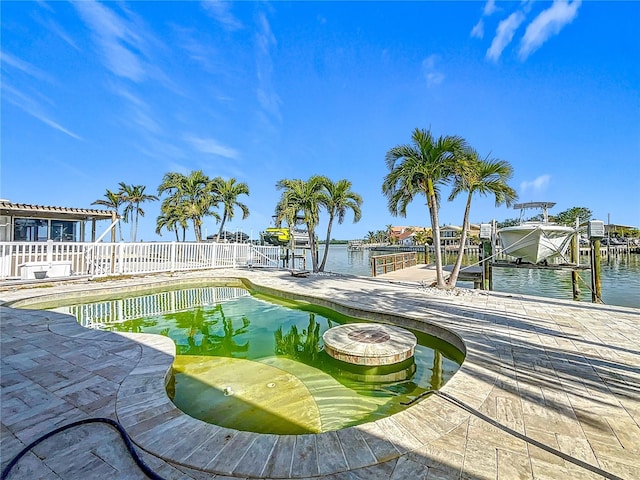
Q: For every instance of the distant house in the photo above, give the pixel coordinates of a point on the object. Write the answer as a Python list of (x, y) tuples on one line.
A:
[(21, 222), (450, 235), (226, 236), (406, 235)]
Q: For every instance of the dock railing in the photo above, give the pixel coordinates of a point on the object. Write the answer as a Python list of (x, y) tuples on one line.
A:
[(40, 260), (381, 264)]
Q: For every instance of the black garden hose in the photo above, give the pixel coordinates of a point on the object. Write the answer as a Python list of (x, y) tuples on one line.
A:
[(127, 440)]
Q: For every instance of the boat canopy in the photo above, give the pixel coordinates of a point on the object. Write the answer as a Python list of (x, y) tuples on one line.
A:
[(543, 205)]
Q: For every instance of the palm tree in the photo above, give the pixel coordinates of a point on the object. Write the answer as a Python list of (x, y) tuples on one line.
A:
[(390, 238), (172, 217), (419, 168), (133, 196), (114, 201), (484, 176), (421, 237), (339, 199), (227, 193), (303, 197), (194, 194)]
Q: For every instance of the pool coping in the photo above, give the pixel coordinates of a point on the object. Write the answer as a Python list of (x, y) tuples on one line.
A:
[(145, 410), (147, 413)]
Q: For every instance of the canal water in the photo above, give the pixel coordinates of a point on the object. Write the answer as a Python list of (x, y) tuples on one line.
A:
[(620, 276)]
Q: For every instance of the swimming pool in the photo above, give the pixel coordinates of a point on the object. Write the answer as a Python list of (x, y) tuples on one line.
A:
[(255, 362)]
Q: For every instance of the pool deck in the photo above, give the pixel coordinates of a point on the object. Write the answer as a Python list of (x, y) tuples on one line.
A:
[(549, 389)]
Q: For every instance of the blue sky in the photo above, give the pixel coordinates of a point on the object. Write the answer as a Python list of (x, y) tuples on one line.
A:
[(94, 94)]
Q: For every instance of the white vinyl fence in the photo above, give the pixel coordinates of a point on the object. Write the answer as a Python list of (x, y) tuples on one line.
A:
[(35, 260)]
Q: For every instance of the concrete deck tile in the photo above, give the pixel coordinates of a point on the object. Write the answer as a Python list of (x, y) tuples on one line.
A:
[(279, 463), (513, 465), (332, 458), (548, 471), (252, 463), (32, 468), (356, 451), (166, 427), (207, 451), (627, 468), (305, 457), (438, 459), (453, 441), (231, 448), (407, 468), (480, 460), (178, 448), (380, 446), (626, 431), (381, 471), (141, 426)]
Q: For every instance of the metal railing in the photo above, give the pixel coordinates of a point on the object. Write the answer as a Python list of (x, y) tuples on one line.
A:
[(34, 260)]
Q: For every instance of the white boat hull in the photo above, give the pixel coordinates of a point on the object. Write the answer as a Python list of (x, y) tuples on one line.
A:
[(535, 243)]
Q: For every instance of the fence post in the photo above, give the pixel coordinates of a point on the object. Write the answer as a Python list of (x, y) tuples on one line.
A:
[(172, 257), (120, 249), (49, 252)]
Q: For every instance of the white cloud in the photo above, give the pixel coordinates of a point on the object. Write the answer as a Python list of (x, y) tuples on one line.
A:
[(58, 30), (539, 184), (114, 37), (220, 10), (212, 146), (33, 108), (489, 8), (478, 30), (265, 40), (548, 23), (23, 66), (504, 35), (431, 74)]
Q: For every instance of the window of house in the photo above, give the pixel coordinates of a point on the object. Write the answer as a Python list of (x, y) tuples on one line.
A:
[(64, 231), (5, 228), (30, 230)]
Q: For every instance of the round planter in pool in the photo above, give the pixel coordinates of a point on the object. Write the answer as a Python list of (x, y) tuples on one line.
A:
[(370, 344)]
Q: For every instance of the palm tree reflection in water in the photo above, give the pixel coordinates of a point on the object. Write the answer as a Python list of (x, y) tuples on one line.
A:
[(204, 338), (303, 347)]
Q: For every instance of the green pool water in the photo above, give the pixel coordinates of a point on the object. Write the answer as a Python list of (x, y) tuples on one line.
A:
[(256, 363)]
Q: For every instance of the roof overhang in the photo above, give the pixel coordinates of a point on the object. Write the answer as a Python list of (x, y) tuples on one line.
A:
[(61, 213)]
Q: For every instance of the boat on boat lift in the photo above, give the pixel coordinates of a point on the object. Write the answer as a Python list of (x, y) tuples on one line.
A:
[(276, 236), (283, 236), (535, 241)]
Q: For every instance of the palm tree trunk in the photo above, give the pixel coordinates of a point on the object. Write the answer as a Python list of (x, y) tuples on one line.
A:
[(463, 239), (224, 219), (326, 244), (313, 247), (135, 224), (196, 231), (432, 202)]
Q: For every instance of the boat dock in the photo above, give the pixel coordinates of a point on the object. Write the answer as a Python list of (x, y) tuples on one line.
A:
[(426, 274)]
